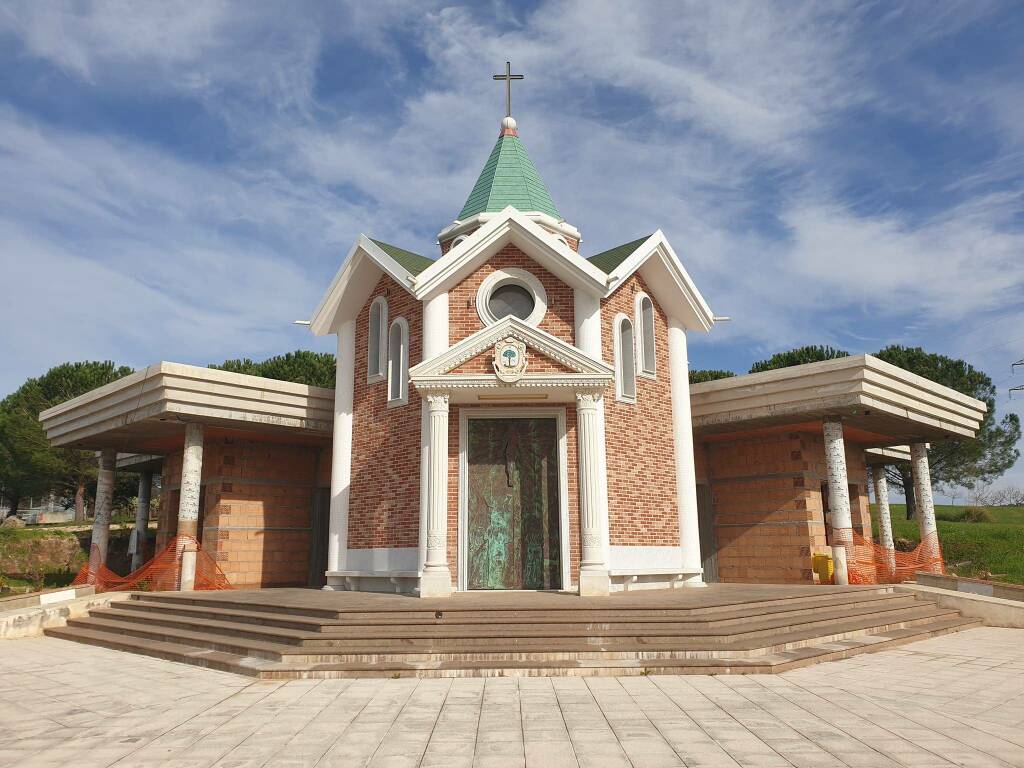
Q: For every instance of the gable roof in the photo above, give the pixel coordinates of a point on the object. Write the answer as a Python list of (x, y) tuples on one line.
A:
[(509, 177), (413, 262), (608, 260)]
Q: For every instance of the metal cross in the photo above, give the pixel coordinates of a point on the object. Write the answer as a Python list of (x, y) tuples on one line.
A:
[(508, 77)]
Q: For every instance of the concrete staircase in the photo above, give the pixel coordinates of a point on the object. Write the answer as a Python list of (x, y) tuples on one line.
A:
[(273, 638)]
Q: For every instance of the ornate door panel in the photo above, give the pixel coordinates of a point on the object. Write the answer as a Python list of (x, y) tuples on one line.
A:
[(513, 515)]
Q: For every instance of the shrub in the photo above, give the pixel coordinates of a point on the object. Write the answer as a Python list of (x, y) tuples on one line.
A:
[(976, 515)]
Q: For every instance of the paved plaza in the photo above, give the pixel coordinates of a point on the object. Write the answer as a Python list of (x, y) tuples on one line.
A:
[(952, 700)]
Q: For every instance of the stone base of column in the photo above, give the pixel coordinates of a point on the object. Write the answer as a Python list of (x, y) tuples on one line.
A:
[(693, 580), (594, 583), (188, 567), (840, 573), (436, 583)]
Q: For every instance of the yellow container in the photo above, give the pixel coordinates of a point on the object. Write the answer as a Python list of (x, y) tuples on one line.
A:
[(824, 567)]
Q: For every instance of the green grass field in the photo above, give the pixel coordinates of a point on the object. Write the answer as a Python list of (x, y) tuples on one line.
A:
[(972, 549)]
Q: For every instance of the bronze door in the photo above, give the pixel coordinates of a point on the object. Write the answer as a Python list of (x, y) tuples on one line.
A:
[(513, 516)]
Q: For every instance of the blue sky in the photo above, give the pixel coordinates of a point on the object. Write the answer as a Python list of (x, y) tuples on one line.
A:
[(180, 180)]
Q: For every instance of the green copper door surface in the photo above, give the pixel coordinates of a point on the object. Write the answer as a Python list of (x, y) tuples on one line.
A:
[(513, 504)]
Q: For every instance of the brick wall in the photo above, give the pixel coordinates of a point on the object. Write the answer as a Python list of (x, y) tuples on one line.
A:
[(384, 508), (257, 499), (768, 504), (463, 317), (640, 448)]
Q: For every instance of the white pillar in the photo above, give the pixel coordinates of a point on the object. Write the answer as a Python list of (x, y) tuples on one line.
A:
[(436, 580), (101, 520), (594, 577), (587, 316), (925, 504), (877, 477), (341, 450), (838, 496), (435, 342), (686, 473), (142, 517), (188, 505)]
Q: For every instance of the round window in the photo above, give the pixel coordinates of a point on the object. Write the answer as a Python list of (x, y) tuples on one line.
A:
[(510, 299)]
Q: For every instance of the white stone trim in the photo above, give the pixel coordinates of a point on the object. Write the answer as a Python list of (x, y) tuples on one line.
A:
[(465, 414), (639, 337), (341, 448), (685, 468), (645, 559), (511, 276), (379, 373), (382, 560), (619, 356), (403, 364)]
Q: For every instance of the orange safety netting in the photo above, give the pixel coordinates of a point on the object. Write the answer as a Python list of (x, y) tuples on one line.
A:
[(871, 563), (163, 572)]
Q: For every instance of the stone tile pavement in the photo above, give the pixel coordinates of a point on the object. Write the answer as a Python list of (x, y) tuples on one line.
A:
[(952, 700)]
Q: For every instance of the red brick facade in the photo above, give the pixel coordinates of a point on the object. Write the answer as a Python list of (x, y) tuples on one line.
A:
[(642, 507), (384, 502), (464, 320)]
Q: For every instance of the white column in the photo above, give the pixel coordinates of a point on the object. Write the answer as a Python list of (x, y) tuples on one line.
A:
[(594, 577), (436, 580), (101, 520), (587, 316), (188, 504), (686, 473), (142, 517), (436, 340), (876, 475), (838, 496), (925, 504), (341, 450)]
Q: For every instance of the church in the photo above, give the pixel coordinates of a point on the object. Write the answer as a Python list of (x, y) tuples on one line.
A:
[(511, 413)]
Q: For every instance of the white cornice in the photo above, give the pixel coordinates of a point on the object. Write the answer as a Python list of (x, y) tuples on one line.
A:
[(547, 221)]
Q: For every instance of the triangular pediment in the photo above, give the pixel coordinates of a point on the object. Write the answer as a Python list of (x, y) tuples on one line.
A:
[(547, 354)]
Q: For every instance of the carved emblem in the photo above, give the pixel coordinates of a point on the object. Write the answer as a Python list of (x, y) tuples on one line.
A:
[(510, 360)]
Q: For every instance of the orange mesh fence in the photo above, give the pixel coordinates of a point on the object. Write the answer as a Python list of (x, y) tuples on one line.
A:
[(163, 572), (871, 563)]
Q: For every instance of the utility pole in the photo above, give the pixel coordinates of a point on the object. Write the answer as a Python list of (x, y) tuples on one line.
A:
[(1013, 369)]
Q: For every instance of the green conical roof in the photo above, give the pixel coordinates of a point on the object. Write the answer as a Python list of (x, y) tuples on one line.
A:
[(509, 178)]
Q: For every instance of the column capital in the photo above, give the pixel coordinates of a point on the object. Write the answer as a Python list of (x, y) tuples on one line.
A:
[(588, 400), (436, 401)]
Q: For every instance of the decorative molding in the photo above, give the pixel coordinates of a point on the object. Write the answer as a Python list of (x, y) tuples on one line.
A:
[(437, 401), (511, 276), (509, 360)]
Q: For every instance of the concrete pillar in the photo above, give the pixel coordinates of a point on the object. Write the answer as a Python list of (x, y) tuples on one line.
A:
[(838, 496), (925, 503), (587, 317), (341, 448), (436, 580), (876, 476), (101, 520), (686, 474), (435, 342), (594, 576), (142, 517), (188, 506)]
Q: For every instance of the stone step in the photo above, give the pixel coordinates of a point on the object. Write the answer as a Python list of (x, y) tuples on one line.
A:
[(762, 625), (268, 669), (363, 649), (490, 607), (139, 604)]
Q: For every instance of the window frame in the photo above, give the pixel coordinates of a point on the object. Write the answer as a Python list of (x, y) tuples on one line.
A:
[(640, 341), (383, 329), (622, 356), (514, 276), (403, 372)]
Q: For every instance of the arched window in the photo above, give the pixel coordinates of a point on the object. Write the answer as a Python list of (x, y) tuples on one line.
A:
[(377, 343), (645, 358), (625, 360), (398, 362)]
